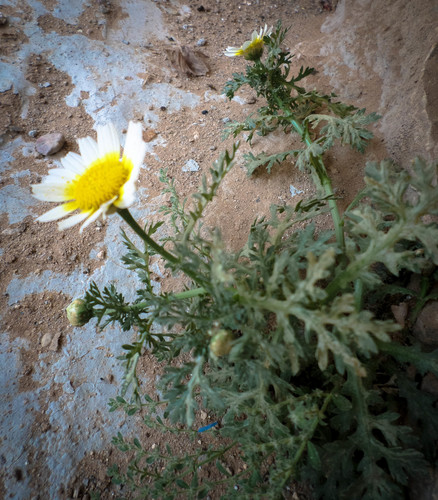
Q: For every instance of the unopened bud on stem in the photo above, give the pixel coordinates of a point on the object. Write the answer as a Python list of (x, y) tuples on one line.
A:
[(221, 343), (78, 313)]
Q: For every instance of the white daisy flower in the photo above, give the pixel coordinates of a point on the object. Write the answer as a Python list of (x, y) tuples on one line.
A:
[(252, 49), (97, 180)]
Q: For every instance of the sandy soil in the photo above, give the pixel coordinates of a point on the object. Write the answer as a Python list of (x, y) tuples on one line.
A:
[(377, 55)]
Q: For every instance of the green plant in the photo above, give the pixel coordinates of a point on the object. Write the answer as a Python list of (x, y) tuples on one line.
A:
[(307, 377)]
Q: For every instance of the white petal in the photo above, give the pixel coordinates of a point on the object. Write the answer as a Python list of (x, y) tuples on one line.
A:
[(108, 139), (61, 174), (71, 221), (135, 148), (73, 162), (89, 150), (49, 192), (232, 51), (56, 213), (128, 196), (102, 209)]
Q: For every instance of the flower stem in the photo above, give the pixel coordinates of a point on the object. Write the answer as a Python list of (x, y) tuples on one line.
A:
[(321, 172), (125, 214)]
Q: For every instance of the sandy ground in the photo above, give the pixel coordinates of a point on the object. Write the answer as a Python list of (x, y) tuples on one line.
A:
[(66, 66)]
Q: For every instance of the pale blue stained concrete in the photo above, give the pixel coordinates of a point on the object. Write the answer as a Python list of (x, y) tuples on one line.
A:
[(16, 202), (17, 416), (294, 191), (79, 419)]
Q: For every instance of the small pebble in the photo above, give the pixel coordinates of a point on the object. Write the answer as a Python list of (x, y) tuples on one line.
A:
[(149, 135), (163, 108), (46, 339), (201, 42), (204, 112), (213, 148), (126, 42), (49, 144), (33, 133), (3, 19), (101, 255), (226, 120)]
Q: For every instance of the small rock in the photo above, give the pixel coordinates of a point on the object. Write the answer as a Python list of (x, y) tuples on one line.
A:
[(204, 111), (33, 133), (213, 148), (49, 144), (44, 85), (426, 326), (201, 42), (101, 255), (3, 19), (149, 135), (54, 344), (46, 340), (203, 415), (251, 100), (226, 120)]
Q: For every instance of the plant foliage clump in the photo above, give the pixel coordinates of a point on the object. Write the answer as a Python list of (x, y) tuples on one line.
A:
[(307, 376)]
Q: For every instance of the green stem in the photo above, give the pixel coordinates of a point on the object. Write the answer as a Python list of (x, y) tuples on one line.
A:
[(321, 171), (125, 214), (358, 294)]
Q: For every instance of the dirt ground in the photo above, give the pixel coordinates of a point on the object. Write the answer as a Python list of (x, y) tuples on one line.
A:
[(381, 56)]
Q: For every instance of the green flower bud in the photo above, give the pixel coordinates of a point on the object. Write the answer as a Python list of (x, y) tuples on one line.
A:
[(221, 343), (78, 313)]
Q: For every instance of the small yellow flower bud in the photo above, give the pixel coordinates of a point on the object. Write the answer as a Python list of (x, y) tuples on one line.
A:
[(221, 343), (78, 313)]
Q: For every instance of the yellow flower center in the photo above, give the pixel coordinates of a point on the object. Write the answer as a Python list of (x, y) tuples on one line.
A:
[(253, 50), (101, 182)]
